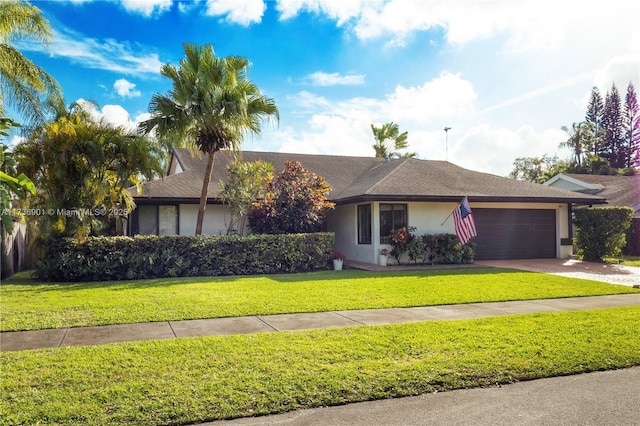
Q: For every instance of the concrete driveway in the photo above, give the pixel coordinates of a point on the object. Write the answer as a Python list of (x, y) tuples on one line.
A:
[(605, 272)]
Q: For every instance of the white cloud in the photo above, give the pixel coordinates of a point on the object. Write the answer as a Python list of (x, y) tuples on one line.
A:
[(490, 150), (125, 89), (115, 115), (242, 12), (320, 78), (446, 96), (188, 6), (147, 8), (344, 127), (619, 70), (526, 24), (108, 54), (15, 140), (341, 11)]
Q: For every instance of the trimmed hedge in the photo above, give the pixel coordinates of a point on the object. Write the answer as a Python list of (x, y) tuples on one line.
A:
[(151, 256), (600, 232)]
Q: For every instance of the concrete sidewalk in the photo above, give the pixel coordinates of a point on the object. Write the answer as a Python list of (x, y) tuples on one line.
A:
[(83, 336)]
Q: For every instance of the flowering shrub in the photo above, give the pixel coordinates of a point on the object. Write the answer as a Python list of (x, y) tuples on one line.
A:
[(429, 248), (337, 255), (400, 240)]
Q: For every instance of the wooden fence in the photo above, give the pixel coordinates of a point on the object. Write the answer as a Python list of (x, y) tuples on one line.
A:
[(14, 256)]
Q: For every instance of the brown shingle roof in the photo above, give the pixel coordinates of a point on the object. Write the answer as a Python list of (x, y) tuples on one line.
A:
[(367, 178), (618, 190)]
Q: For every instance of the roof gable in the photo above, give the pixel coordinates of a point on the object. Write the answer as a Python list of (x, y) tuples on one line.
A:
[(570, 183)]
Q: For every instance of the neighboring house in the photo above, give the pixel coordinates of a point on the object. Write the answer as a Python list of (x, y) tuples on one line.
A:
[(618, 190), (514, 219)]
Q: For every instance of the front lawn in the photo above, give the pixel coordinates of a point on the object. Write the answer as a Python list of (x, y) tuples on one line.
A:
[(32, 305), (184, 381), (626, 260)]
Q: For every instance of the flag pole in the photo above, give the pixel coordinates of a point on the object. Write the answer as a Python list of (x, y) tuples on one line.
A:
[(447, 218)]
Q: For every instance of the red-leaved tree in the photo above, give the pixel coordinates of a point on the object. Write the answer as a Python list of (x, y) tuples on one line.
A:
[(295, 202)]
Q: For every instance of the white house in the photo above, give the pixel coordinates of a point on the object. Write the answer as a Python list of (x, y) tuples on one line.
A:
[(514, 219)]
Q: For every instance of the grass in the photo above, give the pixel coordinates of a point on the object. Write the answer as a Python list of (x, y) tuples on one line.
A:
[(207, 378), (626, 260), (32, 305)]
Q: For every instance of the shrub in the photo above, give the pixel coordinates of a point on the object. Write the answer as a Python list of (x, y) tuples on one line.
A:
[(295, 201), (430, 248), (600, 232), (151, 256), (400, 240)]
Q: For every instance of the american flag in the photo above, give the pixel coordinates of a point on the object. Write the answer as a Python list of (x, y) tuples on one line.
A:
[(463, 218)]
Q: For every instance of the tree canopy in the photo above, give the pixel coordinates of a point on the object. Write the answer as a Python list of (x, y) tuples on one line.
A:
[(23, 83), (82, 170), (294, 202), (389, 140), (211, 106), (606, 142)]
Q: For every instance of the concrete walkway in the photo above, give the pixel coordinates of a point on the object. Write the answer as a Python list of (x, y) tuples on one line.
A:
[(572, 268), (82, 336)]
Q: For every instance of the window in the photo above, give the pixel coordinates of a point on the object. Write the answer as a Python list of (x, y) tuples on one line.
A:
[(392, 216), (147, 220), (364, 224), (157, 220), (168, 220)]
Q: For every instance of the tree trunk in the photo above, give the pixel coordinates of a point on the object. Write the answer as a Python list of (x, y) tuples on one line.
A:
[(205, 192)]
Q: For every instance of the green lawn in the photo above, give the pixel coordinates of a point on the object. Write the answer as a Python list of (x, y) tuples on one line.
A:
[(626, 260), (184, 381), (32, 305)]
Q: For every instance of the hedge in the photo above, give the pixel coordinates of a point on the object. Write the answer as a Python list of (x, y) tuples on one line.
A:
[(151, 256), (600, 232)]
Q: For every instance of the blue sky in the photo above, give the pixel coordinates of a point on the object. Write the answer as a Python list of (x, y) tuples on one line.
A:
[(505, 75)]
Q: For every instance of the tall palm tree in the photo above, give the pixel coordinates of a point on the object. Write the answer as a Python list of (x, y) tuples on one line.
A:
[(22, 82), (578, 142), (388, 139), (211, 107)]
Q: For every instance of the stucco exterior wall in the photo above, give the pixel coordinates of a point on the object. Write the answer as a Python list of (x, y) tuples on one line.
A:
[(427, 218)]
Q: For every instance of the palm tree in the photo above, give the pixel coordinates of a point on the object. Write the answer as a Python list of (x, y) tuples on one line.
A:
[(388, 139), (578, 142), (211, 106), (78, 163), (22, 82)]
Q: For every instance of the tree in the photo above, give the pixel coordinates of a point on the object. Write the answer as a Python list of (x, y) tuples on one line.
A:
[(612, 125), (211, 106), (82, 170), (578, 139), (22, 82), (245, 184), (294, 202), (600, 232), (595, 109), (388, 140), (631, 124), (537, 169), (10, 186)]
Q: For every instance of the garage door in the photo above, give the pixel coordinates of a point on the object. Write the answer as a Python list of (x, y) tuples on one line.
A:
[(515, 234)]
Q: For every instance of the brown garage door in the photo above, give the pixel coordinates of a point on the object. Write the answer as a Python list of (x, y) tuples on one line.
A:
[(515, 234)]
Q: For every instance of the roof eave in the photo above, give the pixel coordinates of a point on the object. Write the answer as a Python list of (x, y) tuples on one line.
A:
[(458, 198)]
